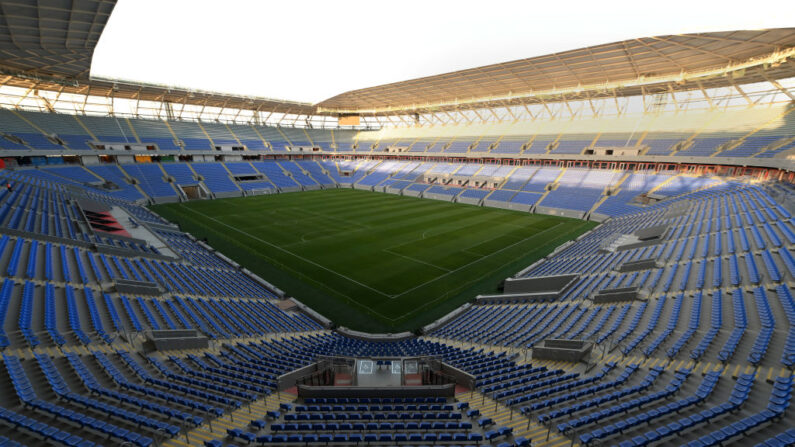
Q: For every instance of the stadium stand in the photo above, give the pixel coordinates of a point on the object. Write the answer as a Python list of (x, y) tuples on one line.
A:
[(151, 181), (723, 239), (119, 328), (216, 177)]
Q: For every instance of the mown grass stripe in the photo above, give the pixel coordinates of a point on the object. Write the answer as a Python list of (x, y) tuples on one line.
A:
[(345, 252)]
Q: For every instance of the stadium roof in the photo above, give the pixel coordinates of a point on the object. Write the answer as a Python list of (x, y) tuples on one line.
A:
[(55, 38), (624, 68), (48, 45)]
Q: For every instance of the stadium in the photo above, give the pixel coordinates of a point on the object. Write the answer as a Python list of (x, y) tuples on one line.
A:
[(587, 247)]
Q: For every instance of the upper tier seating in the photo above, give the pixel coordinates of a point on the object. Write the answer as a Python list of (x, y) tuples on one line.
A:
[(705, 357), (216, 177), (150, 178), (72, 132)]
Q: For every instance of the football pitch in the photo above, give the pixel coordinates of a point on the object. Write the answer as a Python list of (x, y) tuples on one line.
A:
[(373, 261)]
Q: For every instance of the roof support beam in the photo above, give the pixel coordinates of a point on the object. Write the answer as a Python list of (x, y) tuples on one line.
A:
[(643, 98), (201, 111), (618, 106), (137, 102), (455, 121), (478, 115), (221, 110), (527, 109), (508, 108), (45, 101), (496, 117), (265, 121), (546, 106), (593, 109), (170, 111), (779, 86), (85, 99), (464, 116), (673, 96), (566, 103), (742, 93), (704, 92)]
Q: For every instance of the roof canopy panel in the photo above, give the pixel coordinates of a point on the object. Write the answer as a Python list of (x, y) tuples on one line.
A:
[(615, 65), (49, 44), (51, 38)]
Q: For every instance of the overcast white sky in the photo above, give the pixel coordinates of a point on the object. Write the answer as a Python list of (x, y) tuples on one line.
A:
[(312, 50)]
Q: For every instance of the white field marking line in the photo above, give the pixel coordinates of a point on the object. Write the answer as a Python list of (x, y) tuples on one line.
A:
[(379, 292), (326, 216), (434, 234), (350, 300), (444, 296), (424, 233), (279, 219), (304, 235), (470, 252), (336, 234), (281, 223), (289, 252), (510, 224), (475, 261), (465, 250), (345, 231), (350, 222), (415, 260)]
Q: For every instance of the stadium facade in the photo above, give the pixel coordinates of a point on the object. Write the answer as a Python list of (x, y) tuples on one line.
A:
[(671, 322)]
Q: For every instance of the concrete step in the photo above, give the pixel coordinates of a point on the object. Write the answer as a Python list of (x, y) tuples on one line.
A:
[(506, 417), (240, 418)]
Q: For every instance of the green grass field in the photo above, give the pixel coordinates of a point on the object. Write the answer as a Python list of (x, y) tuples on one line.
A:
[(372, 261)]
